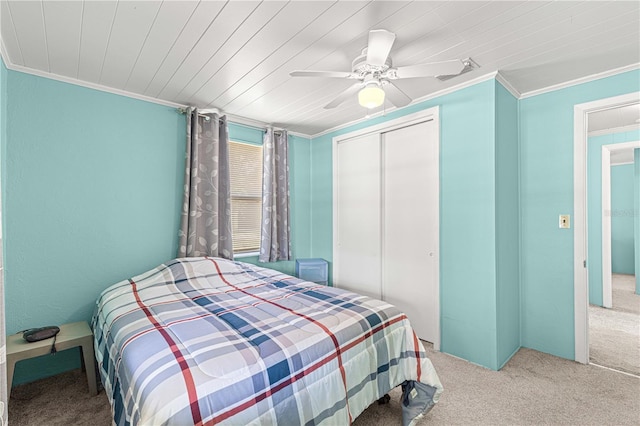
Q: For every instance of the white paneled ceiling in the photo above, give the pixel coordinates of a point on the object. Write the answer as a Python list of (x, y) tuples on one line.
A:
[(614, 118), (621, 157), (236, 56)]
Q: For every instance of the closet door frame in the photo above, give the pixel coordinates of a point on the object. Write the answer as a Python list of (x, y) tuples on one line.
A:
[(430, 114)]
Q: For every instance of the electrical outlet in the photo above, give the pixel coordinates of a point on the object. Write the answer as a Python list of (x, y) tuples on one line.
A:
[(565, 221)]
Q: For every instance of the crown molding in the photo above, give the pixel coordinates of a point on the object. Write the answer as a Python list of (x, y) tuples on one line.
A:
[(232, 118), (93, 86), (430, 96), (3, 52), (26, 70), (504, 82), (507, 85), (580, 80), (497, 75)]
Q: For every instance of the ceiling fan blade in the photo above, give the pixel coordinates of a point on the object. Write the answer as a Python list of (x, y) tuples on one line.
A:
[(380, 42), (431, 70), (350, 91), (396, 96), (328, 74)]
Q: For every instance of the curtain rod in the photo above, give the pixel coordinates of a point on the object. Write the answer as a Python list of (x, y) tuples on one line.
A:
[(234, 120), (201, 113)]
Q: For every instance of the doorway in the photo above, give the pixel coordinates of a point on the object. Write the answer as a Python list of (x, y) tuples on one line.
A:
[(614, 309), (617, 154), (581, 285)]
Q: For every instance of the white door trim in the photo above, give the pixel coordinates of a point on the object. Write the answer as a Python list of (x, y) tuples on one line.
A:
[(415, 118), (607, 295), (580, 280)]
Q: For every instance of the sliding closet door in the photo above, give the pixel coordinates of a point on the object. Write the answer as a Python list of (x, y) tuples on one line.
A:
[(411, 224), (357, 214)]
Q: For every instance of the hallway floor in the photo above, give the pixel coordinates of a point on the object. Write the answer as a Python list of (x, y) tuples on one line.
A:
[(614, 334)]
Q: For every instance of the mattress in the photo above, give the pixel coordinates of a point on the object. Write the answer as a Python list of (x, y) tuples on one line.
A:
[(209, 341)]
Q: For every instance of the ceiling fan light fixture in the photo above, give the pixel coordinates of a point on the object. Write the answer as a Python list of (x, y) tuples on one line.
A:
[(371, 96), (374, 70)]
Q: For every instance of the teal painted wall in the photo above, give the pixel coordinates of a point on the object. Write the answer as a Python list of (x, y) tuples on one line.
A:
[(622, 208), (594, 207), (85, 178), (3, 131), (240, 133), (636, 220), (93, 197), (546, 191), (3, 110), (467, 212), (507, 226), (93, 191)]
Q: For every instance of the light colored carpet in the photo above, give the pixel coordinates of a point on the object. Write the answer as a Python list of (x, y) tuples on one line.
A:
[(533, 388), (58, 401), (625, 298), (614, 334)]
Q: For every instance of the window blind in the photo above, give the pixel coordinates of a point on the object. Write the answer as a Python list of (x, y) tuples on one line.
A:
[(245, 164)]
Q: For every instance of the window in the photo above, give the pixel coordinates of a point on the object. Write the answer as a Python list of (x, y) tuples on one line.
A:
[(245, 164)]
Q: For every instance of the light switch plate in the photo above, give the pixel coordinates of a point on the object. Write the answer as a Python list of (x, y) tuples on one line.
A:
[(565, 221)]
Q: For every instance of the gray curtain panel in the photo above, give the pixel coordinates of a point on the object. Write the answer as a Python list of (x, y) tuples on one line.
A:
[(206, 210), (275, 232)]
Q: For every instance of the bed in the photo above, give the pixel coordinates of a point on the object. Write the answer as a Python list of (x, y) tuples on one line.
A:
[(209, 341)]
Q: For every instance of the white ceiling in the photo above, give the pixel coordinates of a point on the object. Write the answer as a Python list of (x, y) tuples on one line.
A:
[(236, 56), (624, 118), (621, 157), (622, 153), (627, 116)]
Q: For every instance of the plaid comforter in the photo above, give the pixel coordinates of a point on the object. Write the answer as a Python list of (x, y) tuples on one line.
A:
[(207, 341)]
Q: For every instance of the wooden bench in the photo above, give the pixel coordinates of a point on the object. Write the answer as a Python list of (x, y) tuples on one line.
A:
[(70, 336)]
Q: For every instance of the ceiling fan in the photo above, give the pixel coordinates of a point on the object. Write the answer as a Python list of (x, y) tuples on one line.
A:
[(375, 73)]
